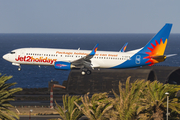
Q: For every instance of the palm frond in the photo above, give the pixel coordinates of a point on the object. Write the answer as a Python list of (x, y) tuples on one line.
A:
[(69, 110), (95, 107), (127, 101), (6, 95)]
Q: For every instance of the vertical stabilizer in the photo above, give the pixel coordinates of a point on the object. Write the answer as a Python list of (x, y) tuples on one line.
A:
[(155, 48), (157, 45)]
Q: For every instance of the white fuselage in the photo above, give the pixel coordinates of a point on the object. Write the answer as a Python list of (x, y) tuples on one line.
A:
[(47, 56), (67, 59)]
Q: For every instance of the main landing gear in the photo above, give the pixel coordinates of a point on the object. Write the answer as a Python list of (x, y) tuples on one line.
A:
[(88, 72)]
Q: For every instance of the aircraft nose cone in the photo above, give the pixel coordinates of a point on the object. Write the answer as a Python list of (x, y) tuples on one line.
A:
[(5, 56)]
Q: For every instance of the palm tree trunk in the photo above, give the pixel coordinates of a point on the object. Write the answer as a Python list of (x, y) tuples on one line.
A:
[(158, 114)]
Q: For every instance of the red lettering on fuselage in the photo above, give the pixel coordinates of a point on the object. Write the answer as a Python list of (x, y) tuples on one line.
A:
[(32, 59)]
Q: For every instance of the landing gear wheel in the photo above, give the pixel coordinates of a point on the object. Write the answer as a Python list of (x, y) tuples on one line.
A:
[(19, 69), (83, 72), (88, 72)]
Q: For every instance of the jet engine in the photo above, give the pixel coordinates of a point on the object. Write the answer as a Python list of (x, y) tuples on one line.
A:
[(63, 65)]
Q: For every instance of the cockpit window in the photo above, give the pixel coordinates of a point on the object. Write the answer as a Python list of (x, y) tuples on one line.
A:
[(12, 52)]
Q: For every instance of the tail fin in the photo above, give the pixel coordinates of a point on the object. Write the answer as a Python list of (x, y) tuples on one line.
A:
[(155, 48), (157, 45), (152, 52), (124, 47)]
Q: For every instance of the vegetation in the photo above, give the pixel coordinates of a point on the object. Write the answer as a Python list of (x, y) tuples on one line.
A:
[(154, 100), (95, 107), (6, 96), (141, 100), (69, 111), (127, 101)]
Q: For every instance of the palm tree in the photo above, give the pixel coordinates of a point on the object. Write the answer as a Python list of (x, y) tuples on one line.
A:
[(6, 96), (69, 111), (126, 102), (95, 107), (154, 100)]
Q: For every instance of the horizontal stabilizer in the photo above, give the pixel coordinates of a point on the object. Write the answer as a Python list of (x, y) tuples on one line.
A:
[(171, 55), (161, 58)]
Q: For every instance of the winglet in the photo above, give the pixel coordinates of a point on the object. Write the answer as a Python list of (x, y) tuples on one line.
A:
[(94, 50), (124, 47)]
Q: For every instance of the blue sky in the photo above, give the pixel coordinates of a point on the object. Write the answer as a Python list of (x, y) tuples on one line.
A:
[(88, 16)]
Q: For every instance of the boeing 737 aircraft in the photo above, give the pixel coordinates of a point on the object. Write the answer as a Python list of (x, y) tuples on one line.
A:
[(67, 59)]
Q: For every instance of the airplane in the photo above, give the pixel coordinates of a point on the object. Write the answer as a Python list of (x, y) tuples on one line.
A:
[(86, 60)]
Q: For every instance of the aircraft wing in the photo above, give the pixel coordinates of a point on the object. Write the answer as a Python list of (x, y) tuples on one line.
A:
[(85, 61)]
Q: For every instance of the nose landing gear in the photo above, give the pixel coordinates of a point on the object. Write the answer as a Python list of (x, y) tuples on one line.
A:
[(19, 69), (16, 64)]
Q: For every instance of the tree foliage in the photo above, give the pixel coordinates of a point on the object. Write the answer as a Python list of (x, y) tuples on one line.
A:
[(95, 107), (6, 96), (69, 111), (154, 100), (141, 100), (126, 102)]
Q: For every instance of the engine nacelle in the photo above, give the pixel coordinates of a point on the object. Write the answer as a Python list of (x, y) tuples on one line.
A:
[(63, 65)]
